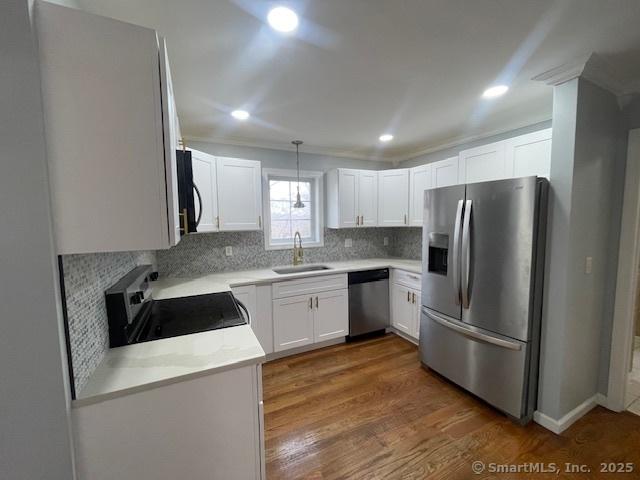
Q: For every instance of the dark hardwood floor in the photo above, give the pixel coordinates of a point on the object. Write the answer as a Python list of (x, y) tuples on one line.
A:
[(368, 410)]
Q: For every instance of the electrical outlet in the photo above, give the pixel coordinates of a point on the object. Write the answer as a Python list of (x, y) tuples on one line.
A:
[(228, 251), (588, 265), (385, 241), (348, 243)]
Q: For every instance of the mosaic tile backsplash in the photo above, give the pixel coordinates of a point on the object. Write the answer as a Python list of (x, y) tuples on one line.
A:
[(204, 253), (407, 243), (86, 277)]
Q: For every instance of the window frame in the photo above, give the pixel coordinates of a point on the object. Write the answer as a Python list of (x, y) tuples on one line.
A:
[(317, 198)]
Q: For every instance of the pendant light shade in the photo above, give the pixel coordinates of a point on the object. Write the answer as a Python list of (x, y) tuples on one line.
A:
[(298, 203)]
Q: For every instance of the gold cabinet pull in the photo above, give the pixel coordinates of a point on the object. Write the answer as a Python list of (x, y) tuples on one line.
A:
[(259, 221), (317, 304), (408, 296), (357, 220), (405, 218), (310, 303), (413, 298), (185, 221)]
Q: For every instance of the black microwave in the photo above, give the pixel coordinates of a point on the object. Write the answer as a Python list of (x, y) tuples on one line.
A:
[(189, 197)]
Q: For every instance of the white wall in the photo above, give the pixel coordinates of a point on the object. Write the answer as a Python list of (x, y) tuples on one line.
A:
[(587, 174), (34, 427)]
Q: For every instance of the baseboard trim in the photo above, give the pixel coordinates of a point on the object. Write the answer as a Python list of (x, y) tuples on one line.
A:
[(602, 400), (402, 334), (559, 426), (306, 348)]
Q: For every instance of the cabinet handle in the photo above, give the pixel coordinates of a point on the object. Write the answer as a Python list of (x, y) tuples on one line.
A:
[(405, 218), (357, 220), (310, 303), (218, 223), (361, 219), (408, 296), (413, 298), (185, 221), (259, 221), (317, 304)]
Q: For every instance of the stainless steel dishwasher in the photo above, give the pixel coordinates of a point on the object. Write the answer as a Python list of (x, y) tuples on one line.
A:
[(368, 301)]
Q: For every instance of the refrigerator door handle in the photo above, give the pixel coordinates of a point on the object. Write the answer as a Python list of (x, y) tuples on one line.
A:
[(455, 258), (466, 253), (471, 333)]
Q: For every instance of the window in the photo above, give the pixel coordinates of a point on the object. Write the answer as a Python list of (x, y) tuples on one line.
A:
[(283, 220)]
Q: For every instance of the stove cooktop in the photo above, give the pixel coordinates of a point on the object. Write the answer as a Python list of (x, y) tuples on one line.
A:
[(182, 316)]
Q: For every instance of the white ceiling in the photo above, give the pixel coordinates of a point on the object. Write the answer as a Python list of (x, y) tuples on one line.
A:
[(359, 68)]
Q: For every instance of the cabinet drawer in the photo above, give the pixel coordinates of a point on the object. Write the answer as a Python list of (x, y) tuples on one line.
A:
[(408, 279), (304, 286)]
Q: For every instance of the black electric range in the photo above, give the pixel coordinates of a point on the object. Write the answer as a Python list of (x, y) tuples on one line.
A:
[(135, 317)]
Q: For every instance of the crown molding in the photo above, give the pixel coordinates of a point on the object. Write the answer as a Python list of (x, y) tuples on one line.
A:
[(595, 69), (287, 147), (392, 159), (468, 139)]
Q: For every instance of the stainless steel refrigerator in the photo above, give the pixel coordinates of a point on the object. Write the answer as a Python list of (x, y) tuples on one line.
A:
[(482, 263)]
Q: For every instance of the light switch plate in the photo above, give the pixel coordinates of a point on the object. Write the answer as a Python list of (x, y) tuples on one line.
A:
[(348, 243), (228, 251), (588, 265), (385, 241)]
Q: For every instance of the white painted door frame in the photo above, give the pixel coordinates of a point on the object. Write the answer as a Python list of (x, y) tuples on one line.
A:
[(627, 279)]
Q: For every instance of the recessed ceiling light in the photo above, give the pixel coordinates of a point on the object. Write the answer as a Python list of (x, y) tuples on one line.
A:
[(495, 91), (387, 137), (283, 19), (240, 114)]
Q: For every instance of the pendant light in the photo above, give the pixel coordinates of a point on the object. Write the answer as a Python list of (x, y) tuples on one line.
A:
[(298, 203)]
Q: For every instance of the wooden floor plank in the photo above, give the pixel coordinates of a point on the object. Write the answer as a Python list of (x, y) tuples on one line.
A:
[(368, 410)]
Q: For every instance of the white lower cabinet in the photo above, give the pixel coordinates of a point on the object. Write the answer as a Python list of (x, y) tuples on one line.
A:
[(197, 429), (405, 303), (331, 315), (293, 322), (319, 314), (402, 316)]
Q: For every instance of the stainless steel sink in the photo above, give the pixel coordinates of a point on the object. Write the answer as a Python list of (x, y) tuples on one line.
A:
[(300, 268)]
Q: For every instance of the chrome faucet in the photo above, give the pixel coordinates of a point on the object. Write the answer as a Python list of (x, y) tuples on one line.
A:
[(297, 249)]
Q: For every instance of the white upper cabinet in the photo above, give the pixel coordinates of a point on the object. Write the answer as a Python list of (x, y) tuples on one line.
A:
[(239, 194), (445, 172), (484, 163), (204, 178), (352, 198), (111, 167), (393, 198), (348, 213), (420, 179), (368, 198), (529, 154), (171, 133)]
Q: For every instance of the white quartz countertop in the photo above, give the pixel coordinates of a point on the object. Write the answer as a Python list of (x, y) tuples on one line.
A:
[(172, 287), (142, 366)]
